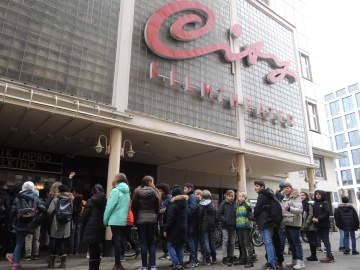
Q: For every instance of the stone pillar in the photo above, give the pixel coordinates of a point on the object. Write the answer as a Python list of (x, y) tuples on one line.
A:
[(113, 168), (241, 172), (311, 177)]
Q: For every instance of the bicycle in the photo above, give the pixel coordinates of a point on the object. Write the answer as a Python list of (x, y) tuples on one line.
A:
[(129, 251), (256, 237)]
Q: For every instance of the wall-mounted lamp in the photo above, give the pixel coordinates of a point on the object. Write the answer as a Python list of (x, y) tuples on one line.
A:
[(130, 152), (306, 180), (234, 167), (99, 147)]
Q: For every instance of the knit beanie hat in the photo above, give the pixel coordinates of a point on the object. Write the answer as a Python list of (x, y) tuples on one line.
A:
[(28, 185), (176, 191)]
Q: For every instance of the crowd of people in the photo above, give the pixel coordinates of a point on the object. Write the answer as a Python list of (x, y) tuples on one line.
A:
[(185, 218)]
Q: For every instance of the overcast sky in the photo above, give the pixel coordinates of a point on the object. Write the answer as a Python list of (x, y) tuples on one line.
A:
[(336, 24)]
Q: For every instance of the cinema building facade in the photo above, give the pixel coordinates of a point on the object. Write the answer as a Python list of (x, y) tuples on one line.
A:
[(209, 92)]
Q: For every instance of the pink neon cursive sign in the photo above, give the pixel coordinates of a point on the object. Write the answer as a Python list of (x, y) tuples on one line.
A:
[(251, 52)]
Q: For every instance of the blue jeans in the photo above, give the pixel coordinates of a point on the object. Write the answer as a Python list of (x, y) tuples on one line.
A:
[(192, 243), (341, 241), (176, 252), (75, 237), (347, 235), (20, 242), (208, 245), (293, 236), (324, 234), (267, 235), (147, 243)]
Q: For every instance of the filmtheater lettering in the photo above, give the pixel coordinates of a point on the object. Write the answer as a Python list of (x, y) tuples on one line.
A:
[(252, 53), (11, 158)]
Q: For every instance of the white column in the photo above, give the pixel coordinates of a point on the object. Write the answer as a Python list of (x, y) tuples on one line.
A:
[(114, 165), (241, 174), (311, 177)]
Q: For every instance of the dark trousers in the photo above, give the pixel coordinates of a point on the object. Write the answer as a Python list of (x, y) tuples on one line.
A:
[(312, 238), (324, 234), (57, 246), (94, 251), (118, 233), (163, 241)]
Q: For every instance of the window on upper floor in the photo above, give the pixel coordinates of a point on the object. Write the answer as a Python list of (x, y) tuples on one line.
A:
[(329, 126), (338, 124), (313, 117), (329, 97), (354, 138), (351, 120), (340, 141), (346, 177), (355, 156), (319, 172), (357, 96), (344, 162), (340, 92), (357, 175), (337, 178), (305, 66), (353, 88), (348, 103), (335, 108)]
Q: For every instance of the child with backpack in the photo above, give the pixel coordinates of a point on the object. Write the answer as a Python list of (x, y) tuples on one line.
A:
[(27, 211), (60, 211)]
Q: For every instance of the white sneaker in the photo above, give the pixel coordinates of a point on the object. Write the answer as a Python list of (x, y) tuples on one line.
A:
[(299, 265), (87, 255), (293, 262)]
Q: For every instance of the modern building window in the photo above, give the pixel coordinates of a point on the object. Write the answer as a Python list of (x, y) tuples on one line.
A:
[(326, 111), (346, 178), (357, 175), (338, 124), (354, 138), (313, 117), (329, 97), (348, 103), (319, 172), (340, 141), (329, 126), (355, 156), (335, 108), (353, 88), (351, 120), (331, 144), (305, 66), (357, 96), (340, 92), (337, 178), (344, 162), (335, 164)]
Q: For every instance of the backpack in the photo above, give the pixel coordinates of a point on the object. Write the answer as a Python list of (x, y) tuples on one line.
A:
[(83, 203), (275, 211), (26, 210), (78, 207), (63, 211)]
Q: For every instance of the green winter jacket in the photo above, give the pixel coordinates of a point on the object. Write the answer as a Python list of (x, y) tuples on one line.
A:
[(117, 206)]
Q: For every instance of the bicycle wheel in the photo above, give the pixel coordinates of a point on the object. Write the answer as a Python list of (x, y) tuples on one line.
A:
[(129, 252), (304, 237), (218, 236), (256, 238)]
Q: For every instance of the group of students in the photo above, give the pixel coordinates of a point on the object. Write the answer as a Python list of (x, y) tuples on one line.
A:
[(300, 212)]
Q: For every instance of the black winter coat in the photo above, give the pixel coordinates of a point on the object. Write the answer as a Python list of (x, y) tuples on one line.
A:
[(17, 226), (176, 220), (321, 210), (207, 216), (346, 217), (261, 209), (227, 215), (5, 200), (92, 220), (192, 228)]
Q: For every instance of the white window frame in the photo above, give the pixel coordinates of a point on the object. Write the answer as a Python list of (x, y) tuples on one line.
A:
[(305, 66), (313, 118)]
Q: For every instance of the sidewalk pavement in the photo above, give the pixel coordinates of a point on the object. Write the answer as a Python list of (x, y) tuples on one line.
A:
[(79, 262)]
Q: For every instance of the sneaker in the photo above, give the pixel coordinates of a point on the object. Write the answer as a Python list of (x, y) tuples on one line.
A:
[(265, 265), (9, 258), (299, 265), (327, 259), (346, 252), (225, 261), (312, 259), (270, 268), (341, 248), (26, 258), (191, 264), (87, 255), (164, 256), (249, 265), (122, 258), (291, 264), (355, 252), (201, 259), (178, 267), (207, 261), (214, 261), (36, 257), (16, 267)]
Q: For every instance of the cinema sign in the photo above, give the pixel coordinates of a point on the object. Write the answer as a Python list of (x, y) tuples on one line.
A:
[(251, 52)]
